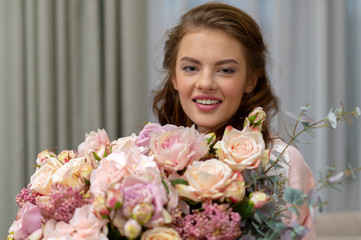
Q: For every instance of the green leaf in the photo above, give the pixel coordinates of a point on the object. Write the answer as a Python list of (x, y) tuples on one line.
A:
[(165, 185), (96, 156), (293, 196), (178, 181), (244, 208)]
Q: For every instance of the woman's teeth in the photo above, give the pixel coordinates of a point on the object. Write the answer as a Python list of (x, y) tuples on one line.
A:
[(207, 101)]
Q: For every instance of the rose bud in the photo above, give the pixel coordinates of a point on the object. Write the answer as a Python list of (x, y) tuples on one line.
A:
[(142, 212), (132, 228), (258, 199)]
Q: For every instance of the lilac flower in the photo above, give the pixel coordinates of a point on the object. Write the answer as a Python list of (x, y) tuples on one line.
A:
[(216, 221), (61, 203)]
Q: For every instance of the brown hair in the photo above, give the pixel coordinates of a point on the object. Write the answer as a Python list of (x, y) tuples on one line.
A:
[(239, 25)]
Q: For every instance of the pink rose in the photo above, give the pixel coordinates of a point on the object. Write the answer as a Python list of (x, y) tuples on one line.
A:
[(95, 147), (145, 135), (44, 156), (66, 155), (206, 179), (28, 221), (255, 119), (174, 150), (241, 149)]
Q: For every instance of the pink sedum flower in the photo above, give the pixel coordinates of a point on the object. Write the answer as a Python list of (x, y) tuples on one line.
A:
[(174, 149), (259, 199), (242, 149), (207, 180), (27, 222)]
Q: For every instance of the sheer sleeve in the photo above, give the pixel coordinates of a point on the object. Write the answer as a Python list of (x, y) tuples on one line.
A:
[(300, 177)]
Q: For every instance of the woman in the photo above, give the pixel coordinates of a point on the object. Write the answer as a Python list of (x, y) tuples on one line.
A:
[(215, 60)]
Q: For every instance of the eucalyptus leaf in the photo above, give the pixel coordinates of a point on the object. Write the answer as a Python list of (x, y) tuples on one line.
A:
[(293, 196)]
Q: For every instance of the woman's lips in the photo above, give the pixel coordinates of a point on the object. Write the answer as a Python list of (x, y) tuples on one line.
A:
[(206, 103)]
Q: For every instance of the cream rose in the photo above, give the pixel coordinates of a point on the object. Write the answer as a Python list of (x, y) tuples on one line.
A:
[(161, 233), (71, 173), (41, 180), (241, 149), (206, 179)]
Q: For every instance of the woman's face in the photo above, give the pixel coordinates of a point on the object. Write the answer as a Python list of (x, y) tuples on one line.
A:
[(211, 77)]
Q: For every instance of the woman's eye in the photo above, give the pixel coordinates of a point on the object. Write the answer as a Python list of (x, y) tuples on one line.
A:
[(226, 70), (189, 68)]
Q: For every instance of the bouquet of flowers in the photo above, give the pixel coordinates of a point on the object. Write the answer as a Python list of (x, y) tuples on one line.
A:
[(167, 182)]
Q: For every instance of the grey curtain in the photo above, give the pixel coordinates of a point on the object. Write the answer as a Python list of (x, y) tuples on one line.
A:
[(67, 67)]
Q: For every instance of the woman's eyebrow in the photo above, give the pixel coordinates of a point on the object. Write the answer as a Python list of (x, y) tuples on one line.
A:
[(190, 59), (226, 61)]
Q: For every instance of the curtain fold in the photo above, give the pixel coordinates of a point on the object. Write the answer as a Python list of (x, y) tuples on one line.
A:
[(66, 68)]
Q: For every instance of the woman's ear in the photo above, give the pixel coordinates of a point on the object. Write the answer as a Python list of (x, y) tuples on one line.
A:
[(174, 81), (251, 83)]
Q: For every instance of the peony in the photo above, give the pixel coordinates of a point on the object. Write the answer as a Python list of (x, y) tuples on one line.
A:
[(41, 180), (161, 233), (241, 149), (83, 225), (174, 149), (111, 170), (123, 144), (207, 180), (145, 187), (28, 222), (115, 166)]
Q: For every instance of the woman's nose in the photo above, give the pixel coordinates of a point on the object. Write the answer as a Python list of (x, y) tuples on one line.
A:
[(206, 81)]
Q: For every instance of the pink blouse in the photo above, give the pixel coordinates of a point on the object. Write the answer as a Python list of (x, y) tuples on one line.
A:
[(300, 177)]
